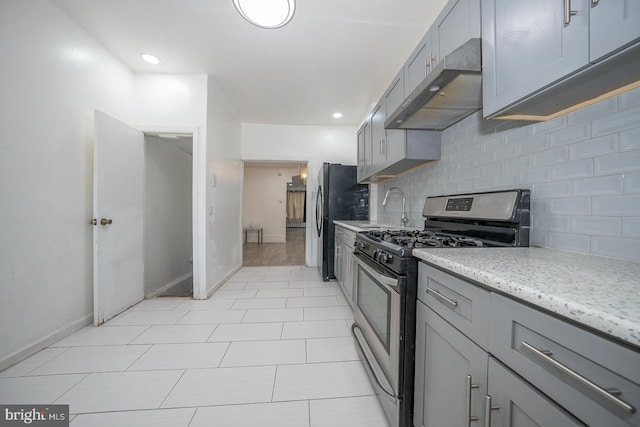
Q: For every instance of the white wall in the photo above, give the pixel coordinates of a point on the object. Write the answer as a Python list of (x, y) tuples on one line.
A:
[(223, 205), (313, 144), (168, 217), (265, 200), (583, 169), (53, 76)]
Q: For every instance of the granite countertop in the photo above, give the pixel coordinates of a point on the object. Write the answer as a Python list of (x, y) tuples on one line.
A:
[(601, 293)]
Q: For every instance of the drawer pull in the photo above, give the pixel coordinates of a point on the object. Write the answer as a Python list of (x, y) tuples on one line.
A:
[(606, 394), (442, 298), (488, 407), (470, 386)]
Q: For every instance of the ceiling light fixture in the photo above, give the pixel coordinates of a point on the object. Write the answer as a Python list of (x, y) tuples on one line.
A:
[(266, 14), (337, 115), (151, 59)]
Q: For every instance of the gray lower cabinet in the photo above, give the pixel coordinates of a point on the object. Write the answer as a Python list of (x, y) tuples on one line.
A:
[(516, 404), (542, 370), (450, 375), (343, 261)]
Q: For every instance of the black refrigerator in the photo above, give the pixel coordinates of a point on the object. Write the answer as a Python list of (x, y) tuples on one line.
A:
[(339, 196)]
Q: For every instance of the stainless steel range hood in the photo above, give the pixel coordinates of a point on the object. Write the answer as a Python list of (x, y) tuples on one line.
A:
[(449, 93)]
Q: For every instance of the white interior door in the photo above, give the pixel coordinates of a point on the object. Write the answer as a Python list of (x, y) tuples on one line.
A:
[(118, 184)]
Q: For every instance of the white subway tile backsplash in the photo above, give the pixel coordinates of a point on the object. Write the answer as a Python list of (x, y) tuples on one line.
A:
[(570, 206), (506, 180), (569, 242), (594, 147), (632, 183), (618, 163), (630, 140), (594, 111), (517, 164), (616, 122), (583, 170), (552, 223), (616, 248), (600, 186), (596, 226), (631, 228), (551, 157), (630, 99), (534, 175), (533, 145), (575, 133), (616, 206), (552, 190), (572, 170)]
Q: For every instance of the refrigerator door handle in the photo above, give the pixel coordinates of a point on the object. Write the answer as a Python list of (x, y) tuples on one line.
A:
[(319, 211)]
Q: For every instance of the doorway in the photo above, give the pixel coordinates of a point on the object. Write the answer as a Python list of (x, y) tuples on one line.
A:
[(274, 213), (168, 214)]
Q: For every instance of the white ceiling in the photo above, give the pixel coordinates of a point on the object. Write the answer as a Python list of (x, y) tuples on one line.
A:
[(336, 55)]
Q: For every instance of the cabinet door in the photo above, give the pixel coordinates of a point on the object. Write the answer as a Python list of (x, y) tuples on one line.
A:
[(527, 45), (378, 138), (520, 405), (366, 158), (614, 24), (347, 272), (394, 96), (337, 259), (444, 359), (361, 154), (458, 22), (417, 67)]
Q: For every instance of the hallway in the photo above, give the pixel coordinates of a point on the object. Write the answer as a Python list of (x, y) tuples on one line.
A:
[(271, 254)]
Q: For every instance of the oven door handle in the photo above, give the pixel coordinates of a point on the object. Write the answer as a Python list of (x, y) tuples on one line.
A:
[(366, 355), (381, 278)]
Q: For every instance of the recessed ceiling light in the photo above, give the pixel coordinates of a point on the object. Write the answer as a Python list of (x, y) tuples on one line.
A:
[(337, 115), (266, 14), (151, 59)]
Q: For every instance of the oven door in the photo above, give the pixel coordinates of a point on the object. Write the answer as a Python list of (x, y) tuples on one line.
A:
[(376, 330)]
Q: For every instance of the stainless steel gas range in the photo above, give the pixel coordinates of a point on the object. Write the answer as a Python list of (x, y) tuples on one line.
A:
[(386, 282)]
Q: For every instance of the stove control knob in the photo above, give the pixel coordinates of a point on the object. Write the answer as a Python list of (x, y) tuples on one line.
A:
[(361, 245), (386, 258)]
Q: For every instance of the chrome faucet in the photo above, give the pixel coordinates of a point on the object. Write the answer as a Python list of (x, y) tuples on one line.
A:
[(404, 219)]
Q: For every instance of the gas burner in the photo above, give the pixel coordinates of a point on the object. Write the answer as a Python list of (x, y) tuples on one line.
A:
[(460, 242)]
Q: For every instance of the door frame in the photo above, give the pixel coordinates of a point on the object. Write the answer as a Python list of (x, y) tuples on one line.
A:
[(311, 238), (199, 199)]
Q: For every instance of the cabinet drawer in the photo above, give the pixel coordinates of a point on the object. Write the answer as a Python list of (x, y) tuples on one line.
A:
[(574, 367), (463, 304), (349, 237)]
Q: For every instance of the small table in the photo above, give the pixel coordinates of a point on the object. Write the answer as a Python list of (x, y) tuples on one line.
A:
[(257, 230)]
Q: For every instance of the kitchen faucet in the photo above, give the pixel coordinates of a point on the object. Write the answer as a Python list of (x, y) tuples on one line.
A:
[(404, 219)]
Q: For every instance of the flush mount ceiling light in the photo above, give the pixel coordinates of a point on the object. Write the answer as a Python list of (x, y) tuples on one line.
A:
[(337, 115), (266, 13), (151, 59)]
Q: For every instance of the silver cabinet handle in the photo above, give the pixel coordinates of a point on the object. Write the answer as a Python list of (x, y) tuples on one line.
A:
[(442, 298), (468, 416), (426, 67), (545, 356), (568, 13), (594, 2)]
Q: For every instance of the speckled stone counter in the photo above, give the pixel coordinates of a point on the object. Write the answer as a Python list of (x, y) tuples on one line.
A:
[(601, 293)]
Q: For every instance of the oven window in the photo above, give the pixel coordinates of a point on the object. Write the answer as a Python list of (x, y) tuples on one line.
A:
[(374, 301)]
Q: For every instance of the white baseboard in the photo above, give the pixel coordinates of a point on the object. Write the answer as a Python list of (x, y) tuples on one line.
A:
[(222, 281), (174, 282), (55, 336)]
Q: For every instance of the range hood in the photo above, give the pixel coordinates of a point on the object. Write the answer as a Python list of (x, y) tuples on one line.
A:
[(448, 94)]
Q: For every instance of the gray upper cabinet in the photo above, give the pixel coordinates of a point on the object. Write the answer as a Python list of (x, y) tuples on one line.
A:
[(418, 65), (527, 45), (542, 58), (458, 22), (378, 136), (364, 150), (614, 24)]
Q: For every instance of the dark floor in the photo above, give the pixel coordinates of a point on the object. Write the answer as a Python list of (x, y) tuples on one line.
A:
[(289, 253)]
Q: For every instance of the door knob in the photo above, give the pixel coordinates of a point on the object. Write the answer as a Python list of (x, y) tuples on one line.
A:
[(105, 221)]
